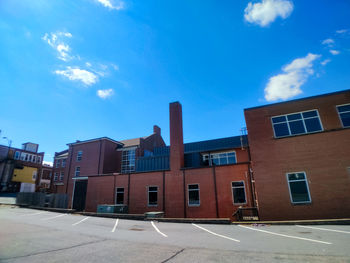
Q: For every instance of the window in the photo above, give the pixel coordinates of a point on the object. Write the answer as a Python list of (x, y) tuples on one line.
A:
[(296, 123), (26, 157), (119, 197), (193, 195), (152, 196), (79, 156), (238, 192), (39, 159), (220, 158), (30, 157), (34, 158), (298, 188), (55, 178), (77, 171), (58, 163), (61, 176), (34, 175), (128, 161), (344, 114), (17, 155), (64, 162)]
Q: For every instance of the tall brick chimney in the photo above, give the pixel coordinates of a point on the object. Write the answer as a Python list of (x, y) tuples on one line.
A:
[(176, 137), (156, 129)]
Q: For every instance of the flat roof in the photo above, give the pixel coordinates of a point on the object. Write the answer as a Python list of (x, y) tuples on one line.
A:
[(305, 98)]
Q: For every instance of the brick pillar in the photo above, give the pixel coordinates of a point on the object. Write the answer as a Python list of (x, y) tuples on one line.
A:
[(176, 137)]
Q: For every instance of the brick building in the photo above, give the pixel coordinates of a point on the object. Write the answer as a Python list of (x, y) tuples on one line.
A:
[(300, 153), (58, 172), (201, 179)]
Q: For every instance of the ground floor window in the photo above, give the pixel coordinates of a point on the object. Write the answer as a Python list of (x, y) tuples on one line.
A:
[(298, 188), (238, 192), (152, 196), (119, 196), (193, 195)]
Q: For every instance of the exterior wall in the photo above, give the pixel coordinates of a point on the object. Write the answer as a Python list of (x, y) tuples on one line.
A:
[(99, 191), (323, 156), (111, 158)]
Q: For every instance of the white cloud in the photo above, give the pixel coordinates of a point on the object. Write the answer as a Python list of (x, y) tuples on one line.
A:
[(287, 84), (86, 77), (325, 62), (55, 41), (342, 31), (88, 64), (111, 5), (105, 93), (334, 52), (329, 42), (115, 67), (265, 12)]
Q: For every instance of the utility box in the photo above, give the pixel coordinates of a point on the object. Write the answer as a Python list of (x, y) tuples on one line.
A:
[(112, 209)]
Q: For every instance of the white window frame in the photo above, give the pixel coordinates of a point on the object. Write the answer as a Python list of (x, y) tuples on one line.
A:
[(116, 195), (341, 120), (63, 163), (39, 159), (307, 187), (209, 157), (55, 177), (128, 165), (148, 191), (17, 155), (77, 171), (188, 195), (303, 121), (34, 158), (79, 156), (61, 175), (245, 192)]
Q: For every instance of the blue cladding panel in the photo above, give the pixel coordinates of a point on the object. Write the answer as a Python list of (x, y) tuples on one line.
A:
[(154, 163)]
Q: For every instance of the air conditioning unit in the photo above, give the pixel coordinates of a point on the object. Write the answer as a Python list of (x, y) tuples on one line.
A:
[(112, 209)]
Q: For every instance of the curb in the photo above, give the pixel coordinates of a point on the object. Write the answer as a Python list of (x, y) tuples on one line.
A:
[(342, 221)]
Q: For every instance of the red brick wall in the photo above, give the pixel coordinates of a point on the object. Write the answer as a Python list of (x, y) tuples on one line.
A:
[(324, 157), (99, 191), (174, 194), (111, 158)]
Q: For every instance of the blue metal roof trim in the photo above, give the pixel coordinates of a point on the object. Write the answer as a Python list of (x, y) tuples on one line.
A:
[(216, 144), (152, 163)]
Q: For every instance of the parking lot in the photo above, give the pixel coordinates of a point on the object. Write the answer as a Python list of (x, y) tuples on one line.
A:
[(28, 235)]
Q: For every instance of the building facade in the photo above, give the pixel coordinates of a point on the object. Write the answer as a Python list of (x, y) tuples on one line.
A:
[(300, 153)]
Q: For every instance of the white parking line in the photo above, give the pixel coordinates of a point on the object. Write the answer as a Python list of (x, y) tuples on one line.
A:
[(325, 229), (38, 213), (236, 240), (156, 228), (282, 235), (80, 221), (115, 226), (53, 217)]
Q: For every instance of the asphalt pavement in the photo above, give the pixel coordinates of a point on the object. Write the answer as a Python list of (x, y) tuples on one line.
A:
[(28, 235)]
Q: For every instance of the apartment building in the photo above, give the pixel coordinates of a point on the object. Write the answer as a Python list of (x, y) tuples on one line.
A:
[(300, 153)]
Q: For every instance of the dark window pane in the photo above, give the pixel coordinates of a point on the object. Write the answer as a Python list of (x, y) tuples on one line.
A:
[(278, 119), (299, 192), (232, 159), (235, 184), (281, 129), (313, 125), (215, 161), (309, 114), (223, 160), (120, 198), (345, 118), (296, 116), (152, 198), (297, 176), (296, 127), (193, 197), (344, 108), (193, 186), (153, 188), (238, 195)]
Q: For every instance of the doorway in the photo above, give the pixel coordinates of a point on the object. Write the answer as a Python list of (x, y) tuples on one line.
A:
[(79, 197)]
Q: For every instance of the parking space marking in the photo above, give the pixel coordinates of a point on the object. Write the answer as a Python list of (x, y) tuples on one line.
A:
[(236, 240), (325, 229), (38, 213), (80, 221), (282, 235), (156, 228), (115, 226), (53, 217)]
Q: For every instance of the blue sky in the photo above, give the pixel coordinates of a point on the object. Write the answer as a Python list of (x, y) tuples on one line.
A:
[(76, 70)]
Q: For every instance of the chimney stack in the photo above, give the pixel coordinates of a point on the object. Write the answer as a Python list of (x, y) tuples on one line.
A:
[(156, 129), (176, 137)]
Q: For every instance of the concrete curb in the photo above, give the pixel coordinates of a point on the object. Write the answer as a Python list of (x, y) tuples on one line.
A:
[(342, 221), (219, 221), (110, 215)]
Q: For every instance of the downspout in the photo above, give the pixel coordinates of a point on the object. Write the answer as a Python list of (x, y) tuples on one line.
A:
[(216, 193), (99, 158), (70, 165), (164, 192), (128, 190)]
